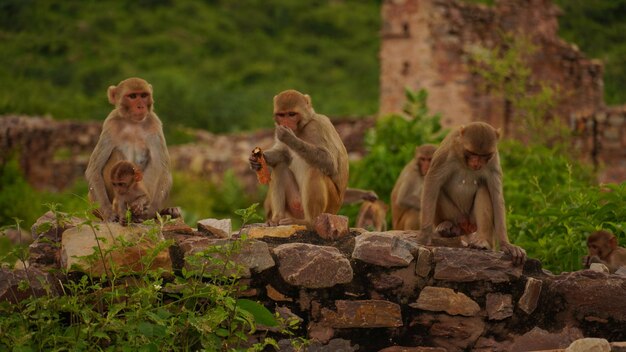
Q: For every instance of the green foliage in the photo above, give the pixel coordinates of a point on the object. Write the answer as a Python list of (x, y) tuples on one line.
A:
[(553, 204), (217, 69), (143, 312), (21, 200), (505, 73)]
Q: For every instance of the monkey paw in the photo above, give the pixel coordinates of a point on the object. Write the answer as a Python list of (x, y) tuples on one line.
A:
[(448, 229), (478, 243), (518, 254)]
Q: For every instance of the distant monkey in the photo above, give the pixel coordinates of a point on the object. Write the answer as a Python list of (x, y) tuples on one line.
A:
[(463, 190), (603, 248), (309, 163), (131, 132), (406, 196), (372, 216), (129, 192)]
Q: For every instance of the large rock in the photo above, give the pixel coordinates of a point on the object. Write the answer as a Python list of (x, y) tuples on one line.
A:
[(248, 256), (532, 291), (273, 231), (538, 339), (591, 294), (221, 228), (312, 266), (438, 299), (40, 283), (499, 306), (454, 333), (124, 249), (362, 314), (384, 249), (466, 265), (589, 345), (331, 227)]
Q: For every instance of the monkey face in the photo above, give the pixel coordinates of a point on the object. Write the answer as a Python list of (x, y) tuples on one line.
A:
[(137, 104), (476, 161), (288, 119), (423, 163), (122, 185)]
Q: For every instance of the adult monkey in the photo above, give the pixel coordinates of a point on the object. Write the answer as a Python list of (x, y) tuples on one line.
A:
[(463, 190), (131, 132), (309, 163), (406, 196)]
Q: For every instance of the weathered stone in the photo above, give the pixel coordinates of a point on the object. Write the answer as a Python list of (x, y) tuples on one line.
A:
[(334, 345), (51, 226), (454, 333), (621, 271), (221, 228), (499, 306), (273, 231), (274, 295), (248, 256), (383, 249), (312, 266), (465, 265), (178, 226), (589, 345), (411, 283), (532, 291), (412, 349), (384, 281), (44, 254), (618, 346), (40, 283), (489, 344), (121, 247), (589, 293), (16, 237), (331, 227), (424, 262), (362, 314), (538, 339), (444, 299), (320, 332), (599, 267)]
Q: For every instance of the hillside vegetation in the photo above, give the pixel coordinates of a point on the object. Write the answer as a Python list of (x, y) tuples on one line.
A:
[(216, 65)]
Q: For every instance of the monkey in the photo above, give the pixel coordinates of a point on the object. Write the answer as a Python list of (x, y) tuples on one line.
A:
[(406, 196), (355, 195), (602, 247), (309, 163), (132, 132), (129, 192), (372, 216), (462, 193)]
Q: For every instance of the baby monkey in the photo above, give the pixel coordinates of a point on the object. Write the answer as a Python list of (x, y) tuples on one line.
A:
[(129, 193), (603, 248)]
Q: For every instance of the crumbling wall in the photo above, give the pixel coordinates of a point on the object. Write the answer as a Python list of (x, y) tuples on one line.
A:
[(367, 291), (426, 44)]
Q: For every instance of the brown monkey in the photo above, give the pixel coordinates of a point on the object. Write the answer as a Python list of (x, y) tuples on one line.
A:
[(372, 216), (129, 192), (131, 132), (463, 190), (309, 163), (406, 196), (603, 248)]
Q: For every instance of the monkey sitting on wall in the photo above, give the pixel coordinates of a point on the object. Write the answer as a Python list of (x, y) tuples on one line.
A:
[(603, 248), (129, 193), (462, 193), (372, 213), (309, 163), (131, 132), (406, 196)]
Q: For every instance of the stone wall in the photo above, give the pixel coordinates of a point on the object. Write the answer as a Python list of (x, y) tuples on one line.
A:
[(377, 291), (426, 44), (54, 154)]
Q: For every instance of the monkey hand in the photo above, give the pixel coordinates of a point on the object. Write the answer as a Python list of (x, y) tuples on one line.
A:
[(518, 254), (447, 229), (255, 162), (285, 135), (370, 196)]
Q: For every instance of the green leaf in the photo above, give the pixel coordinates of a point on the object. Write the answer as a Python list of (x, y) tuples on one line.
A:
[(261, 314)]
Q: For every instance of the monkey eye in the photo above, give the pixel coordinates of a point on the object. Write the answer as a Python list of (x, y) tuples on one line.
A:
[(292, 114), (132, 95), (144, 95)]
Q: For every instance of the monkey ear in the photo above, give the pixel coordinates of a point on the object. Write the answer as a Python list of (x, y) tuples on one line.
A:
[(111, 94), (461, 130), (308, 100), (138, 176), (498, 132)]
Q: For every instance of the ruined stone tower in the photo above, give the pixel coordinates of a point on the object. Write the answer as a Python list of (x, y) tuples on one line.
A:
[(426, 44)]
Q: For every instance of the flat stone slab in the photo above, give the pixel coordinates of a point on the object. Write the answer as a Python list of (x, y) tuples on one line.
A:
[(466, 265), (363, 314), (273, 231), (312, 266), (384, 249)]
